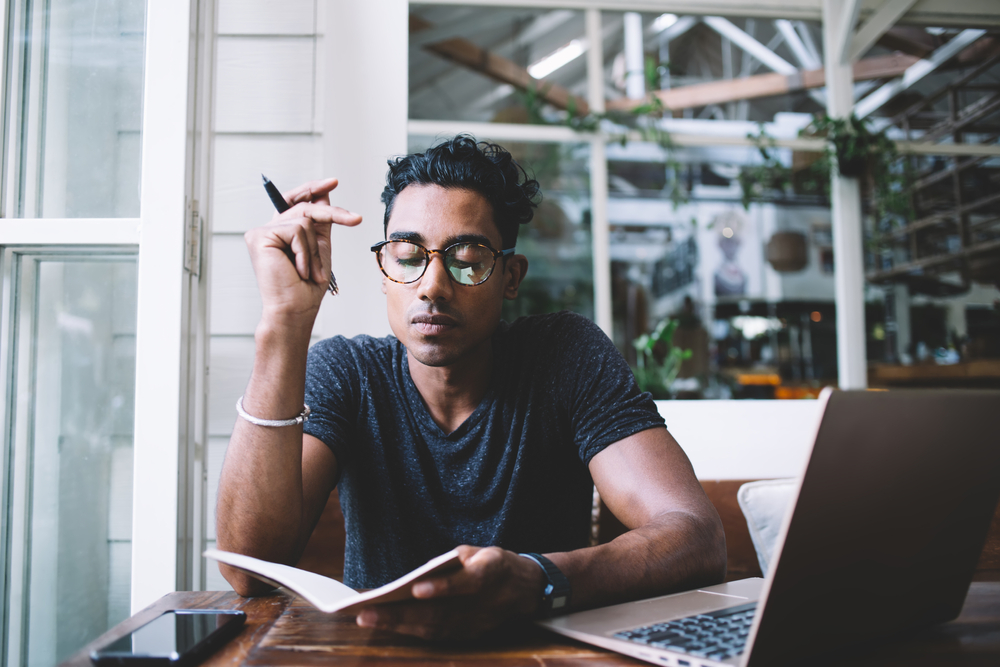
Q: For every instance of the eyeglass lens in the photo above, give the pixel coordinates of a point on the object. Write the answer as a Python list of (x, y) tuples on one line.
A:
[(467, 263)]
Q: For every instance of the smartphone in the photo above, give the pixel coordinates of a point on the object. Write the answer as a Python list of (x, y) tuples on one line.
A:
[(177, 638)]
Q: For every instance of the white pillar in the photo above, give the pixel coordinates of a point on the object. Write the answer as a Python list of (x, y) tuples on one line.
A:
[(955, 320), (601, 237), (635, 66), (902, 316), (845, 201), (160, 423)]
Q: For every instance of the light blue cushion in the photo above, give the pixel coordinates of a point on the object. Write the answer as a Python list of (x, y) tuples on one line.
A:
[(764, 505)]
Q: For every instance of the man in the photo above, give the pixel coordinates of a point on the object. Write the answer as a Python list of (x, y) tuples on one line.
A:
[(459, 431)]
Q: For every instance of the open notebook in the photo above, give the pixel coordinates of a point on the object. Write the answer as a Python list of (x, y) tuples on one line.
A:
[(328, 594)]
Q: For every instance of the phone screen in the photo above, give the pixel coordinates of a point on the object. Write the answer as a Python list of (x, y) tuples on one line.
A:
[(172, 636)]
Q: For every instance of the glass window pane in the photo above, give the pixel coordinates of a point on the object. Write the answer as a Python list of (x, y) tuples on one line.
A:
[(70, 546), (76, 102), (749, 290), (477, 63), (557, 241)]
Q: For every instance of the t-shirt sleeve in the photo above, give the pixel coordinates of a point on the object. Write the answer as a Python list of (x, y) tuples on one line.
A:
[(333, 391), (605, 403)]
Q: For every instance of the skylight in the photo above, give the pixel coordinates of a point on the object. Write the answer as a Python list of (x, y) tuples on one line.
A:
[(561, 56), (663, 21)]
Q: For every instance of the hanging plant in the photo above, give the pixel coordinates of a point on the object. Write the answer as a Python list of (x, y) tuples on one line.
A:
[(873, 157), (643, 119), (770, 179), (854, 145)]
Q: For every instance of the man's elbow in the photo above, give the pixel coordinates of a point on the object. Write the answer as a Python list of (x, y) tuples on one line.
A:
[(715, 555), (708, 549), (243, 583)]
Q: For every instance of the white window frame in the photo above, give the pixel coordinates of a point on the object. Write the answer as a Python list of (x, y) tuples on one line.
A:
[(170, 341)]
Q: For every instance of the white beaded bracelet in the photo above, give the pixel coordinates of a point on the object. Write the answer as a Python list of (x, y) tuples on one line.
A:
[(303, 416)]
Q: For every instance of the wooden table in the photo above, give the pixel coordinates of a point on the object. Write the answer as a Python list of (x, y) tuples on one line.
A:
[(283, 630)]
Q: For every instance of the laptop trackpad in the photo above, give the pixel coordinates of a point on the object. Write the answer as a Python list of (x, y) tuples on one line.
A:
[(609, 620)]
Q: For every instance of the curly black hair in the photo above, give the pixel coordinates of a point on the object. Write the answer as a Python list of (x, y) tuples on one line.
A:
[(482, 167)]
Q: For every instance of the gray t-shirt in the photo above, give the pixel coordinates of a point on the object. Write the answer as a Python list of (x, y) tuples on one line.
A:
[(513, 475)]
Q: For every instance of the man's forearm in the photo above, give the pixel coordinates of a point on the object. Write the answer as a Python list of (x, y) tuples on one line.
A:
[(674, 551), (260, 508)]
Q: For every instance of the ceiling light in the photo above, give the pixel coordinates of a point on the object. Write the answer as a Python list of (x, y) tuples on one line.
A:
[(664, 21), (561, 56)]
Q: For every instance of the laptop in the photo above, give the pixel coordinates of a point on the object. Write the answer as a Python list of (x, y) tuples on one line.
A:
[(887, 525)]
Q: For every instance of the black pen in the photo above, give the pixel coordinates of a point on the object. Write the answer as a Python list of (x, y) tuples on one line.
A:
[(281, 206), (272, 192)]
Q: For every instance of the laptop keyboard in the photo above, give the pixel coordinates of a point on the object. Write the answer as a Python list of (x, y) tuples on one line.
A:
[(717, 635)]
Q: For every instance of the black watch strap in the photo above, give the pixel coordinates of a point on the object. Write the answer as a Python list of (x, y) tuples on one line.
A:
[(555, 599)]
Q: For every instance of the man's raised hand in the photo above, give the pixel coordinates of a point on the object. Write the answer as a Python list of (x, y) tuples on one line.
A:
[(291, 253)]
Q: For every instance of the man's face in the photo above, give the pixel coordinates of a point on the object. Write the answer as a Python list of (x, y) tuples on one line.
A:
[(440, 322)]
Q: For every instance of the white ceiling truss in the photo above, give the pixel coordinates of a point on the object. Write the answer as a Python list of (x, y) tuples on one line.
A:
[(845, 30), (807, 59), (924, 12), (877, 24), (765, 55), (916, 72)]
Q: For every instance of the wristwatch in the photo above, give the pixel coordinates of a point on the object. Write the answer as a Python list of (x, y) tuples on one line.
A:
[(555, 598)]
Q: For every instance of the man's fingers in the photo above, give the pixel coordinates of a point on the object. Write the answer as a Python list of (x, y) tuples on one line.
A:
[(480, 567), (298, 239), (326, 213), (314, 259), (311, 192), (302, 252)]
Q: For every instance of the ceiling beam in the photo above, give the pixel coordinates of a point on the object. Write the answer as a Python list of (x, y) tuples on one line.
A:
[(423, 32), (750, 45), (563, 134), (795, 43), (468, 54), (807, 39), (916, 72), (877, 24), (766, 85), (927, 12), (909, 39), (683, 24), (465, 53), (845, 29)]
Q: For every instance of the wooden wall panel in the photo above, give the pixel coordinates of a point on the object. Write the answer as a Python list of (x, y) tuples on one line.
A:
[(215, 455), (235, 300), (239, 202), (265, 84), (266, 110), (266, 17), (230, 363)]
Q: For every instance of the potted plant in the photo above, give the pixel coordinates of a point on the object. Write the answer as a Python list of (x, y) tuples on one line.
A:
[(658, 361)]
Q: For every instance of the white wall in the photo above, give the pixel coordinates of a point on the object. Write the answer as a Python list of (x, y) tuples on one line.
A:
[(743, 439)]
